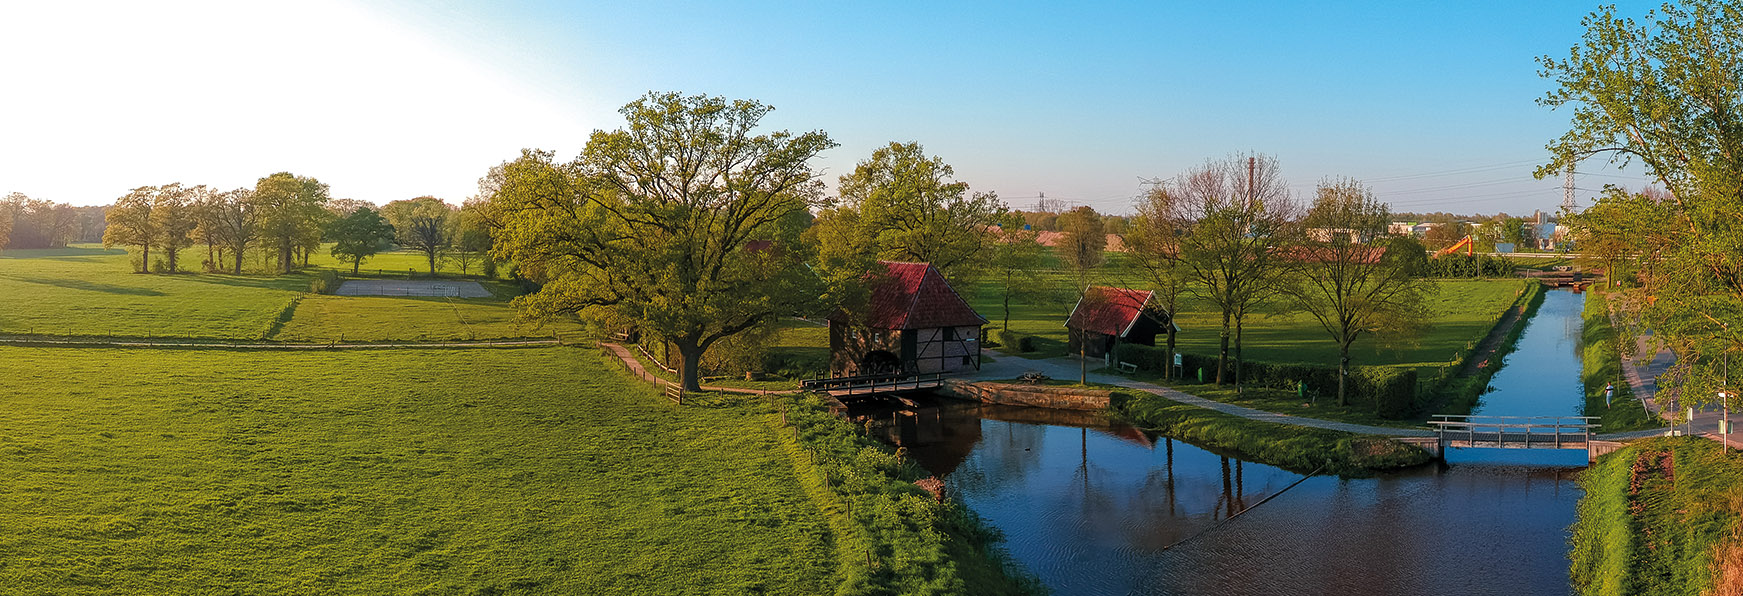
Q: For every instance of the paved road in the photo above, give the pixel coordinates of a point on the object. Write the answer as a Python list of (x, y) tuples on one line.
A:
[(1010, 367)]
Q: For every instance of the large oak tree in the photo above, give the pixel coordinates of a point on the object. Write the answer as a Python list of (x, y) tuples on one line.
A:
[(903, 205), (291, 210), (685, 222), (423, 224)]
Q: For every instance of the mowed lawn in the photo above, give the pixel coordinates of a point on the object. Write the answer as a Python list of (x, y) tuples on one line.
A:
[(1461, 311), (87, 290), (523, 471)]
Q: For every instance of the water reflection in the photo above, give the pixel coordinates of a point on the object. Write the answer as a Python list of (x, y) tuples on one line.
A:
[(1542, 375), (1095, 507)]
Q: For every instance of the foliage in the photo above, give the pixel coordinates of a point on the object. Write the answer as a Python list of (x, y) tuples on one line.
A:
[(34, 223), (173, 218), (1653, 517), (359, 235), (422, 224), (229, 219), (1296, 448), (1019, 342), (1224, 225), (325, 282), (1665, 92), (131, 224), (472, 239), (683, 222), (290, 211), (900, 205), (1085, 238), (1601, 359), (1354, 288), (338, 472)]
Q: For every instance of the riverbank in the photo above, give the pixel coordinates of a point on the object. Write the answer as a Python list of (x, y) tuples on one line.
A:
[(1661, 516), (1295, 448), (902, 539), (1602, 358), (1460, 392)]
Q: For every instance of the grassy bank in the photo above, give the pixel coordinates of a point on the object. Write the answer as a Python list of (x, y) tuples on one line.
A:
[(911, 543), (1448, 391), (1602, 359), (1661, 517), (1295, 448), (391, 472)]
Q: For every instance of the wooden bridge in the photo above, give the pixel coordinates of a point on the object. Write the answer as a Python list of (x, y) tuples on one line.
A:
[(843, 389), (1514, 432)]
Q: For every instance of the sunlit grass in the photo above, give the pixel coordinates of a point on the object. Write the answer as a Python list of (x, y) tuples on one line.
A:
[(393, 472)]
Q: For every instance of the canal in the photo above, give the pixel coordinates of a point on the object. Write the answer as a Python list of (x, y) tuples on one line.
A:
[(1096, 507)]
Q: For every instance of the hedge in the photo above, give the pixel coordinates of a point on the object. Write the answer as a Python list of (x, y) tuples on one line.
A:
[(1021, 342), (1390, 391)]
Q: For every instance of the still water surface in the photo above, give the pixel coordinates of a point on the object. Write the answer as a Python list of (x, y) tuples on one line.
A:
[(1095, 507)]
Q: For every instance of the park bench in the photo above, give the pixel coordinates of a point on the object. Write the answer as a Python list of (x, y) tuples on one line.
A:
[(1128, 367)]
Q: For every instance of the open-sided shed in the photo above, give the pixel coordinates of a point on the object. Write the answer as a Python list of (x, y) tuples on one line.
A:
[(1107, 316), (913, 323)]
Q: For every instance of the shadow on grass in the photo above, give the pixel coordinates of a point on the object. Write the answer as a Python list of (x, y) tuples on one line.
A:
[(89, 286), (71, 253)]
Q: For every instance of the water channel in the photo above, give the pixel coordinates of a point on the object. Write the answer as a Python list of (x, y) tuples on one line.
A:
[(1095, 507)]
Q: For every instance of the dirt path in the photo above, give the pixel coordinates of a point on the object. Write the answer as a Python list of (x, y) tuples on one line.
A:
[(1492, 343)]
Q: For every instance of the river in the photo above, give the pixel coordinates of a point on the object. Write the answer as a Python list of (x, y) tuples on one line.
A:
[(1096, 507)]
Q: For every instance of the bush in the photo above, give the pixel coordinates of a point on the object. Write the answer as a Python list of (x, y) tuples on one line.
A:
[(325, 282), (1021, 342), (1390, 391)]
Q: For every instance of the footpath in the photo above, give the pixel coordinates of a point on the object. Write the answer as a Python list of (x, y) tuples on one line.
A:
[(1642, 373)]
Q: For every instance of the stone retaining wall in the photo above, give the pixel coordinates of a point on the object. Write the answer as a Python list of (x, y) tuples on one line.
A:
[(1035, 396)]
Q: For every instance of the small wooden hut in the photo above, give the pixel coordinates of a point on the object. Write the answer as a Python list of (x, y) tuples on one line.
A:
[(1105, 317), (914, 323)]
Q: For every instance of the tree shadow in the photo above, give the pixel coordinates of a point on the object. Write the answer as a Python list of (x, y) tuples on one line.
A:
[(89, 286), (75, 252)]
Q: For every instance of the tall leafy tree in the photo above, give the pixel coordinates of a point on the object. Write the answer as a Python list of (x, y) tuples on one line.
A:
[(174, 217), (1667, 92), (1228, 220), (903, 205), (1153, 248), (358, 236), (1352, 287), (423, 224), (131, 224), (6, 222), (234, 223), (685, 223), (290, 211), (1083, 243), (471, 236)]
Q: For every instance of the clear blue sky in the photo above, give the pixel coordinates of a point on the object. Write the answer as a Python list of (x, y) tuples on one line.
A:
[(1434, 103)]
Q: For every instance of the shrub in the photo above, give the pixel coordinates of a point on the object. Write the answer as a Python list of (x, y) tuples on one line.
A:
[(1021, 342), (325, 282)]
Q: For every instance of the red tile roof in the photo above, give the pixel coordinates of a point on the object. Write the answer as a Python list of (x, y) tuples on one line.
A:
[(914, 296), (1110, 311)]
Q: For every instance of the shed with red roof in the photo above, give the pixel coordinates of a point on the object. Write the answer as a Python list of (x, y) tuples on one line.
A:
[(1105, 317), (913, 323)]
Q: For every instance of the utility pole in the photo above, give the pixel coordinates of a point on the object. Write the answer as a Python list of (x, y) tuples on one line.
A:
[(1567, 189), (1252, 193)]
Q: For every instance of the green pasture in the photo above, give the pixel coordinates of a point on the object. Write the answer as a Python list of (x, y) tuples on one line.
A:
[(324, 318), (87, 290), (512, 471)]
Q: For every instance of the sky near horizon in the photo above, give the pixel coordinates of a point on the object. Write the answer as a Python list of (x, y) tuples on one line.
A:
[(1433, 104)]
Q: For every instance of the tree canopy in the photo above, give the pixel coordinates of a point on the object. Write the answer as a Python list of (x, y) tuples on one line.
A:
[(359, 235), (684, 223), (1667, 92), (423, 224), (902, 205), (290, 211)]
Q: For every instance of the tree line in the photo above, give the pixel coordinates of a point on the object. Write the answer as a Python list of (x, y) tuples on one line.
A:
[(35, 223), (282, 221), (689, 225)]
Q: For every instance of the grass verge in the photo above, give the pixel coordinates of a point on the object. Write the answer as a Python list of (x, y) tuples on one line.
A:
[(1294, 448), (1458, 394), (1602, 360), (1662, 516)]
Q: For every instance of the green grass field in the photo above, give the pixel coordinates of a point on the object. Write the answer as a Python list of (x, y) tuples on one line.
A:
[(397, 472), (320, 318), (86, 290)]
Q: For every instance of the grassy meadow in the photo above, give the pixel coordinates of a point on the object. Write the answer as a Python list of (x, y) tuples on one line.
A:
[(395, 472), (90, 291)]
